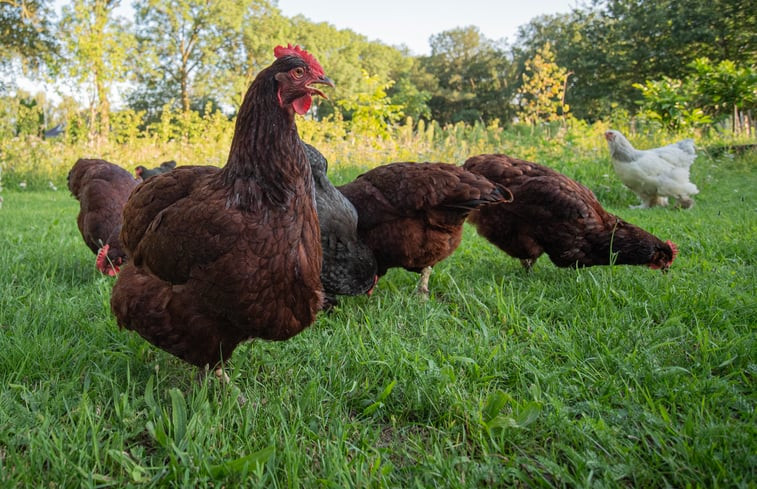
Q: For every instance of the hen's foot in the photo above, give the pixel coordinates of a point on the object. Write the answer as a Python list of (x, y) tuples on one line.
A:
[(422, 289), (220, 374)]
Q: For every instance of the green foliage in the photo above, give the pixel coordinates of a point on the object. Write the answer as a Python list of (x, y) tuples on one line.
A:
[(126, 123), (467, 78), (190, 53), (76, 128), (671, 103), (30, 118), (28, 33), (613, 44), (97, 46), (372, 112), (725, 89), (718, 91), (542, 94), (413, 100), (8, 109), (204, 140)]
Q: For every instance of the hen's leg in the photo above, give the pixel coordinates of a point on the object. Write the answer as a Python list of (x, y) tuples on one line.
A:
[(222, 376), (219, 373), (646, 201), (685, 202), (658, 200), (422, 289), (642, 205), (329, 302), (527, 263)]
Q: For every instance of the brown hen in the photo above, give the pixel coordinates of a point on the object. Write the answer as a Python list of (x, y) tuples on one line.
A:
[(411, 214), (553, 214), (102, 189), (218, 257)]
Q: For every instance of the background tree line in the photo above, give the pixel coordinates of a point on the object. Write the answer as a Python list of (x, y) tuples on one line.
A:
[(677, 63)]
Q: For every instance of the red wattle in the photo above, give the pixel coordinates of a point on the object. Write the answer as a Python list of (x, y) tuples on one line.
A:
[(302, 104)]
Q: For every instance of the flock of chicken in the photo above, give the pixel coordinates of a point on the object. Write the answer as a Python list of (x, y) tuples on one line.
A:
[(206, 257)]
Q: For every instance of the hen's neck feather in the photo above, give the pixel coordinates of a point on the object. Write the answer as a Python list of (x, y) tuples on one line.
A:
[(267, 164), (622, 150)]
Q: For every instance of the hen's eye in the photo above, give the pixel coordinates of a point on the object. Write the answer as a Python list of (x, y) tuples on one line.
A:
[(298, 72)]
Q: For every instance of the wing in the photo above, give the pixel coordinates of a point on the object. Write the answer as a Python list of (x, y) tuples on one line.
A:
[(161, 223), (372, 206), (416, 186), (678, 155), (549, 199), (407, 189), (506, 170)]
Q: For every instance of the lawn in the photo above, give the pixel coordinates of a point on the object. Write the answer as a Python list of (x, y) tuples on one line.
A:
[(601, 377)]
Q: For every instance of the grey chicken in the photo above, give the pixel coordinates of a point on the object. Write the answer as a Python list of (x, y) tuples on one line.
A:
[(349, 267)]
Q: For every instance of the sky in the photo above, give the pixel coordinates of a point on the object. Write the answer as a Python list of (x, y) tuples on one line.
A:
[(412, 22)]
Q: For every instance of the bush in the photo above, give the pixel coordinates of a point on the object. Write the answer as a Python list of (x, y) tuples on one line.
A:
[(574, 147)]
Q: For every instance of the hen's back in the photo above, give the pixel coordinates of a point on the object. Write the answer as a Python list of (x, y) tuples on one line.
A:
[(411, 214), (406, 189), (102, 188), (680, 155), (539, 192)]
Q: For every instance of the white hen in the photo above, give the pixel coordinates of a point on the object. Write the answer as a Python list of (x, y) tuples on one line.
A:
[(654, 174)]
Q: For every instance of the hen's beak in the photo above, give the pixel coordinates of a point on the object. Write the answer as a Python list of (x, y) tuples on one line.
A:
[(325, 80)]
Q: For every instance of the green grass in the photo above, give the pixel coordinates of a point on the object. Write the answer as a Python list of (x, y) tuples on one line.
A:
[(602, 377)]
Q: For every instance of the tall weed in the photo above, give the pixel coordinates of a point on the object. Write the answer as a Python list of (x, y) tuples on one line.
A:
[(574, 147)]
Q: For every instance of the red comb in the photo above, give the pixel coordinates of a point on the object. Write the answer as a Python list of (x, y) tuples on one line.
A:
[(103, 264), (289, 50), (672, 247)]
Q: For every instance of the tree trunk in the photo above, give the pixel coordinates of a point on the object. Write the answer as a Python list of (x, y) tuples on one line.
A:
[(184, 76), (92, 133), (184, 93), (104, 110), (749, 123), (736, 122)]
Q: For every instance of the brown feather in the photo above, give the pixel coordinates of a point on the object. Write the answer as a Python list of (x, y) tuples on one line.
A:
[(554, 214), (411, 214), (102, 189), (220, 256)]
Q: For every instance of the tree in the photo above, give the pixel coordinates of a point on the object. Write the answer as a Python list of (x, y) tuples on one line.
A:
[(26, 30), (98, 46), (613, 44), (727, 90), (542, 94), (592, 87), (30, 116), (263, 28), (670, 102), (414, 100), (186, 48), (472, 75), (372, 112)]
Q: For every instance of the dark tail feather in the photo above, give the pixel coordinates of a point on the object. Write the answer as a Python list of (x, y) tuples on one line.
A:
[(500, 195)]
